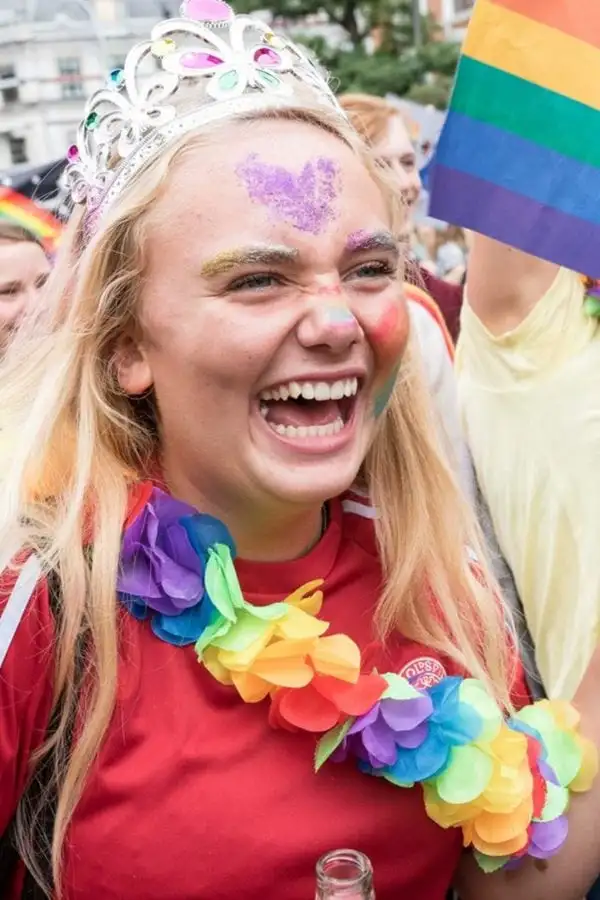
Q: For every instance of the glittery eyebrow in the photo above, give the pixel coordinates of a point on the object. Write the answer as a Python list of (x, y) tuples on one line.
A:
[(254, 255), (363, 241)]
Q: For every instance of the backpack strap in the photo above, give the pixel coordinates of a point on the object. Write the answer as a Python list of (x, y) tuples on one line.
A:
[(42, 784)]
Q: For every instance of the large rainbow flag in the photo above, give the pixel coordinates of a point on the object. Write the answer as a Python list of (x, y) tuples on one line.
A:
[(519, 155), (20, 210)]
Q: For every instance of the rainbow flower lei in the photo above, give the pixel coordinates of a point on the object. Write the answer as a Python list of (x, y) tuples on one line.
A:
[(504, 782)]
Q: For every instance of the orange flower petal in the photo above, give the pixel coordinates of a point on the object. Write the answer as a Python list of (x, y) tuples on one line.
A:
[(500, 828), (251, 688)]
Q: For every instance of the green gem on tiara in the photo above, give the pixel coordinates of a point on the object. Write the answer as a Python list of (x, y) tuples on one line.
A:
[(92, 121), (163, 47), (268, 78), (228, 81)]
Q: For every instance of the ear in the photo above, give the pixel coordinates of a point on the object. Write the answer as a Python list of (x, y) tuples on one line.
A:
[(133, 369)]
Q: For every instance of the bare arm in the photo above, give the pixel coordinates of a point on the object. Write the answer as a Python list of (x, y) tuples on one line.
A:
[(570, 874), (503, 285)]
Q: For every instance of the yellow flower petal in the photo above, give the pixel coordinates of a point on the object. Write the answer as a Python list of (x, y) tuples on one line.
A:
[(307, 597), (241, 660), (586, 776), (297, 625), (338, 656), (284, 663), (210, 659)]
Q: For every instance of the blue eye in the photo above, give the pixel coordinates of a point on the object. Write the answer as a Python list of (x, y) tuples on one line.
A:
[(374, 270), (258, 281)]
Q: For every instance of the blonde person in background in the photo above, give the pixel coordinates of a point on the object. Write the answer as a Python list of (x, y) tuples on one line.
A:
[(529, 379)]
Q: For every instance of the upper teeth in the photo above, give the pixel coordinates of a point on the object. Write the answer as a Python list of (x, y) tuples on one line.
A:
[(312, 390)]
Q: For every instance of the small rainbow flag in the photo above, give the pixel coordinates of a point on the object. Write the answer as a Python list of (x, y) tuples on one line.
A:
[(20, 210), (519, 155)]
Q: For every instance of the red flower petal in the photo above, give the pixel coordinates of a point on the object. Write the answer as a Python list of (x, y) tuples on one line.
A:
[(306, 709), (351, 699), (138, 497)]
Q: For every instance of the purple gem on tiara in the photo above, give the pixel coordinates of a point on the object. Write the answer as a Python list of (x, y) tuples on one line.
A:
[(73, 153), (200, 60), (207, 10), (265, 56)]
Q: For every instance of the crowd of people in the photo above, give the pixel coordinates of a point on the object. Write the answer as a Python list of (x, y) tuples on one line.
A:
[(286, 476)]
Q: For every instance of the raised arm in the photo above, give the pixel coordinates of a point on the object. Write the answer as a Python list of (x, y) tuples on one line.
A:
[(503, 284)]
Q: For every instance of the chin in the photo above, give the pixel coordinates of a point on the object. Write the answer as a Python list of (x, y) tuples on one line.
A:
[(311, 484)]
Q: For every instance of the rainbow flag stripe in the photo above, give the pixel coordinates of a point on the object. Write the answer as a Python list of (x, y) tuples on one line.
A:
[(20, 210), (519, 155)]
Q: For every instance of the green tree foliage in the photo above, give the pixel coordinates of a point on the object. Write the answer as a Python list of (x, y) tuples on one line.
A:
[(377, 53)]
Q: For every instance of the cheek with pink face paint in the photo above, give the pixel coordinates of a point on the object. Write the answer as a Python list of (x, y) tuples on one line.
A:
[(388, 336)]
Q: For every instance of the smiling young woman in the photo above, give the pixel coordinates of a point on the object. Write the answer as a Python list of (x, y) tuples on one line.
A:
[(229, 360)]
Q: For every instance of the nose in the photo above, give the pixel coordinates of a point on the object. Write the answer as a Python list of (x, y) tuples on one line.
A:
[(330, 327)]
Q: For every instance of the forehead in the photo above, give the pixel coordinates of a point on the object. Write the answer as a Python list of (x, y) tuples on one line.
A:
[(289, 182), (396, 140), (20, 259)]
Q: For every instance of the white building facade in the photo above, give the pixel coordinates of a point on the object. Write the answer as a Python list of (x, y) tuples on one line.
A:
[(452, 15), (53, 54)]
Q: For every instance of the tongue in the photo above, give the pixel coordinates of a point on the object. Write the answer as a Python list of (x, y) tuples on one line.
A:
[(309, 412)]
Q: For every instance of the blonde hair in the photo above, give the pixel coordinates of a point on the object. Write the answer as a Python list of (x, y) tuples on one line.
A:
[(58, 389), (371, 115)]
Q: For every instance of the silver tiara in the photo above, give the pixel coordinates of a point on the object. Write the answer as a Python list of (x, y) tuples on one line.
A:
[(234, 63)]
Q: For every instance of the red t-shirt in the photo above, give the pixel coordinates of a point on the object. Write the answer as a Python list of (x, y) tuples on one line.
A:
[(193, 795)]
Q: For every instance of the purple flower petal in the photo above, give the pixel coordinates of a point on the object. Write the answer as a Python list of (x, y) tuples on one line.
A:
[(410, 740), (177, 545), (379, 743), (548, 837), (177, 582), (137, 578), (547, 772), (366, 720), (404, 715)]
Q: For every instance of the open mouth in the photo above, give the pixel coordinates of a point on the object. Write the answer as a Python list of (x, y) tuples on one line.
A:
[(310, 408)]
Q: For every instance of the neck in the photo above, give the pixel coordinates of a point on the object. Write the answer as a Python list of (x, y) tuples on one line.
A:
[(272, 533)]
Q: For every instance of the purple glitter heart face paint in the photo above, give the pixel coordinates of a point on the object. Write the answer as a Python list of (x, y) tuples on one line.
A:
[(305, 199)]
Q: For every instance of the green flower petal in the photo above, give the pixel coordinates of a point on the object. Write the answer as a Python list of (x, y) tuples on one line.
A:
[(474, 694), (330, 741), (490, 864), (218, 628), (466, 777), (557, 800), (242, 633), (399, 688)]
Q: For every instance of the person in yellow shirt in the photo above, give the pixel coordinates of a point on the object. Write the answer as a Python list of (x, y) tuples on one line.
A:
[(528, 365)]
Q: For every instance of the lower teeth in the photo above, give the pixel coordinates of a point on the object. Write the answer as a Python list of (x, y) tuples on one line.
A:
[(302, 431)]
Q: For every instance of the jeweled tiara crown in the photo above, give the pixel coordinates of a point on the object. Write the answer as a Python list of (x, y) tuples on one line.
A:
[(235, 64)]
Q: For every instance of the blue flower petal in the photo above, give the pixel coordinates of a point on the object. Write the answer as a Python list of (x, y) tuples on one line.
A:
[(445, 698), (135, 606), (185, 628), (206, 531), (464, 727), (424, 762)]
